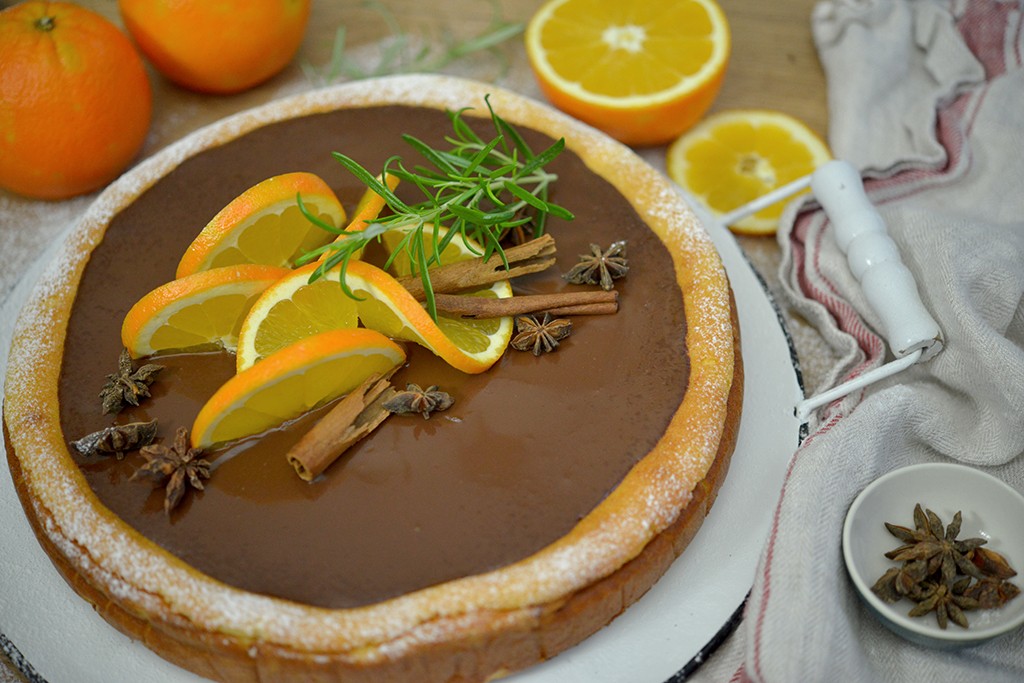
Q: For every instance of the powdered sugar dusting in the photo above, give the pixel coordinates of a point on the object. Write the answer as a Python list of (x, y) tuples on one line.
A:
[(140, 576)]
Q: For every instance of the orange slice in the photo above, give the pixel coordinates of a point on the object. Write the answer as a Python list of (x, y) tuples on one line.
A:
[(201, 311), (734, 157), (294, 308), (291, 309), (264, 225), (466, 332), (468, 345), (296, 379), (643, 72)]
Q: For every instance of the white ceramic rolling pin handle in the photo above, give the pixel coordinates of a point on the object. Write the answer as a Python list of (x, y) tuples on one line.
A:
[(875, 261)]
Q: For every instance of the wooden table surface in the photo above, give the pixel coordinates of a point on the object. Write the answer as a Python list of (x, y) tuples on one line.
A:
[(773, 65)]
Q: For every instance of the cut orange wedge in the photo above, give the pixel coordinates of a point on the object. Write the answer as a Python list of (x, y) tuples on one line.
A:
[(291, 309), (201, 311), (292, 381), (734, 157), (643, 72), (469, 345), (265, 225), (467, 333)]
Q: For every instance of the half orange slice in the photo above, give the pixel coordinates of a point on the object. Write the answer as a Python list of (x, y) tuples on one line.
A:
[(292, 381), (265, 225), (201, 311)]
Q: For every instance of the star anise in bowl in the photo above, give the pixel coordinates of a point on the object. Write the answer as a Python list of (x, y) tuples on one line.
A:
[(942, 573)]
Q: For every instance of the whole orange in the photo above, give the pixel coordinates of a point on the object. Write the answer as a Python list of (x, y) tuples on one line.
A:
[(75, 102), (217, 47)]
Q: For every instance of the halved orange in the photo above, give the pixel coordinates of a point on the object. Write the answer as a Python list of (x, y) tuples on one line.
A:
[(734, 157), (201, 311), (265, 225), (292, 381), (643, 72)]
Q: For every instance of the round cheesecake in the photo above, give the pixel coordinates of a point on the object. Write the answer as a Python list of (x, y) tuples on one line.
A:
[(552, 494)]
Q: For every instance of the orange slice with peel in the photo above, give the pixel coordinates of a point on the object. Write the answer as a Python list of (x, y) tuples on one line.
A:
[(201, 311), (469, 345), (467, 333), (371, 204), (265, 225), (643, 72), (294, 308), (291, 309), (292, 381), (733, 157)]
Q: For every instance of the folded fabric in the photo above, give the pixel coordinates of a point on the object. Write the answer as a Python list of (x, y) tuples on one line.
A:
[(925, 98)]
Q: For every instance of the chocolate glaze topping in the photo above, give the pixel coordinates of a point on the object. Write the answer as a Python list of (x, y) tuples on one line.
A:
[(528, 448)]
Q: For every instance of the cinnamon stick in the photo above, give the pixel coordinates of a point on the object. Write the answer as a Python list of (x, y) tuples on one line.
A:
[(530, 257), (354, 417), (586, 309), (562, 303)]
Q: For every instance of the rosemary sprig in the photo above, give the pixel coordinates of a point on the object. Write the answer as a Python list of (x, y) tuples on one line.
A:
[(479, 190), (401, 55)]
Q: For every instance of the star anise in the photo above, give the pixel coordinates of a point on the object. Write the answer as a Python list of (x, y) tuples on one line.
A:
[(943, 574), (947, 601), (540, 336), (176, 467), (418, 400), (900, 582), (117, 439), (992, 563), (600, 267), (940, 548), (992, 592), (127, 385)]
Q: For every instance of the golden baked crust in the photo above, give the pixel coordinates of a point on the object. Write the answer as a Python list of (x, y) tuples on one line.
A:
[(470, 629)]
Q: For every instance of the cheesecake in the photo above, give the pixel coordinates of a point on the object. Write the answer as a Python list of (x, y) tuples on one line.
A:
[(548, 498)]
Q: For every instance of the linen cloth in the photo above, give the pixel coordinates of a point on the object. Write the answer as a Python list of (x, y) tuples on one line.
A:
[(926, 98)]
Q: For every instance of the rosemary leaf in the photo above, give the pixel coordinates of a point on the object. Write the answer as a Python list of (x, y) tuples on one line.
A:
[(435, 157)]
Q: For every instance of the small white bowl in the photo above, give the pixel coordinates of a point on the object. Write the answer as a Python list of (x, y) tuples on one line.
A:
[(990, 509)]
